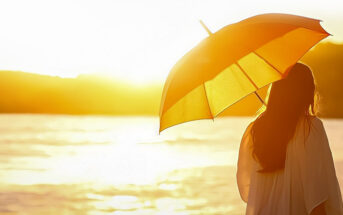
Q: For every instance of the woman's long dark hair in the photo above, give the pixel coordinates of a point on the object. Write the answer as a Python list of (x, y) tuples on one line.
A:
[(289, 100)]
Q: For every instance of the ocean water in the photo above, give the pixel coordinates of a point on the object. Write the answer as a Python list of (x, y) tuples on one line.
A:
[(97, 165)]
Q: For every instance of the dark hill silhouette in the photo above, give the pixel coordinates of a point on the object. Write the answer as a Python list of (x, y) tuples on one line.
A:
[(31, 93), (326, 61)]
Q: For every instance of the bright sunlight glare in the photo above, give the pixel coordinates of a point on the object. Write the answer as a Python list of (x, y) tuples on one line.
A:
[(131, 40)]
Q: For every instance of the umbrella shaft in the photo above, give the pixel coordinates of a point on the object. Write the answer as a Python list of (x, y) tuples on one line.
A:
[(259, 97)]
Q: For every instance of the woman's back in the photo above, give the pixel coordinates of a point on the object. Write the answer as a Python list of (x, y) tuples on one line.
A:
[(307, 180)]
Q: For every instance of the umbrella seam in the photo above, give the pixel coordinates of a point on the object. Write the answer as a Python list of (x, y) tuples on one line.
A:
[(252, 82), (267, 62), (240, 100), (208, 102), (246, 75)]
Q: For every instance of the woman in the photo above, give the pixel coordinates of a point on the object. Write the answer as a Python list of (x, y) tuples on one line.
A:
[(285, 166)]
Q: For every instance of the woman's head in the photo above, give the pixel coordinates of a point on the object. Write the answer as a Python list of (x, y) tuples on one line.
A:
[(289, 100)]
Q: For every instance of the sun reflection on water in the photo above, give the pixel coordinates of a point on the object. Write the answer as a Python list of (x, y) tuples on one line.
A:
[(116, 165)]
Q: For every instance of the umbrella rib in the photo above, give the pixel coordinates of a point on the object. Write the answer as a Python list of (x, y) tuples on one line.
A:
[(268, 63), (252, 82), (247, 76), (208, 103)]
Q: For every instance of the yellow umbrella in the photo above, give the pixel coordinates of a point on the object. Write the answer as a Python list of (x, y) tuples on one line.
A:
[(234, 62)]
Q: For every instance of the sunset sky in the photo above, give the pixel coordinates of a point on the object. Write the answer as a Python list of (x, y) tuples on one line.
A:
[(136, 41)]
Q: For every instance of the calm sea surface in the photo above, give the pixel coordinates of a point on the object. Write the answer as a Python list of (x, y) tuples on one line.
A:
[(67, 165)]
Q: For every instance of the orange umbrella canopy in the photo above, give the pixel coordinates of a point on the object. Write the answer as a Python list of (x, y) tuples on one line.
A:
[(234, 62)]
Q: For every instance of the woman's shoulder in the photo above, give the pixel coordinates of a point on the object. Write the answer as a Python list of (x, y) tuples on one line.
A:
[(312, 130), (312, 121)]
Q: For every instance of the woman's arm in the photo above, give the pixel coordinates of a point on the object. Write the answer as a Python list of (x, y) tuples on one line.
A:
[(244, 165), (319, 210)]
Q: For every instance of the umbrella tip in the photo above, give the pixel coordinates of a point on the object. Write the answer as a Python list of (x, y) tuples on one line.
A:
[(205, 27)]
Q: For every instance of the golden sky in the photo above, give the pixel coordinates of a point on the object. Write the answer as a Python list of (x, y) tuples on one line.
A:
[(131, 40)]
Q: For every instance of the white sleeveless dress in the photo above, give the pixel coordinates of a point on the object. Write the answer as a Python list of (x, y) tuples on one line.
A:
[(308, 179)]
